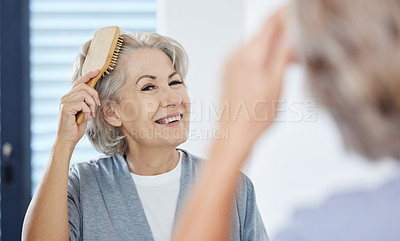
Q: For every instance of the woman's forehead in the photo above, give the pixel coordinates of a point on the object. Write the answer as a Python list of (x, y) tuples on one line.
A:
[(148, 61)]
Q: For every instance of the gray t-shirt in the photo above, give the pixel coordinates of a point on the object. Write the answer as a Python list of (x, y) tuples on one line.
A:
[(103, 203)]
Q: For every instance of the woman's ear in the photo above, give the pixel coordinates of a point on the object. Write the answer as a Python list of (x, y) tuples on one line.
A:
[(110, 114)]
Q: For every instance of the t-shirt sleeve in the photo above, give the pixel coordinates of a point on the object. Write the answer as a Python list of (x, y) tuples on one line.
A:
[(74, 205), (254, 229)]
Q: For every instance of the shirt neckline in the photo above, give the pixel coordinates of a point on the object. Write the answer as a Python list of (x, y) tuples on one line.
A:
[(160, 179)]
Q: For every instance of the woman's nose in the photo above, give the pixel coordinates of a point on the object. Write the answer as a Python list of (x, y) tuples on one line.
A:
[(171, 98)]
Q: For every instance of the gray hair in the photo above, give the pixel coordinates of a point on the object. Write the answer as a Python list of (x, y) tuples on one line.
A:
[(351, 53), (106, 138)]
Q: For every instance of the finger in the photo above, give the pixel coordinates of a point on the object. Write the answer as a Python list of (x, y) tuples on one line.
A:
[(83, 87), (85, 78), (86, 113), (88, 99), (86, 117), (262, 42), (91, 91), (282, 58), (74, 107), (83, 96)]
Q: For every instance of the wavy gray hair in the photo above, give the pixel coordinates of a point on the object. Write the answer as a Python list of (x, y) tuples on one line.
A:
[(351, 53), (104, 137)]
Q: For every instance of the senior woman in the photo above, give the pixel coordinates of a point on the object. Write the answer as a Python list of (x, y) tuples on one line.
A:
[(351, 54), (137, 116)]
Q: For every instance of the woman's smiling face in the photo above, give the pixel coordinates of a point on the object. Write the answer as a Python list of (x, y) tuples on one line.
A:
[(154, 107)]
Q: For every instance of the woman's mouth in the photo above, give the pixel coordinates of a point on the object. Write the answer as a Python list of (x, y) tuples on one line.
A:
[(170, 119)]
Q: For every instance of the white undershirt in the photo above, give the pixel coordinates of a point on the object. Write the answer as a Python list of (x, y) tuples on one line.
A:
[(159, 196)]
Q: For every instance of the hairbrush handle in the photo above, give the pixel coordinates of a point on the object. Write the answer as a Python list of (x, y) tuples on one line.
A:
[(79, 118), (91, 83)]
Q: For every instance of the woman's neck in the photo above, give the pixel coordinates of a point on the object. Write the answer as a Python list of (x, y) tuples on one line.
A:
[(148, 161)]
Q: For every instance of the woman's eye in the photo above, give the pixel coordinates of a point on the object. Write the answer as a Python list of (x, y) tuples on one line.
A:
[(175, 82), (148, 87)]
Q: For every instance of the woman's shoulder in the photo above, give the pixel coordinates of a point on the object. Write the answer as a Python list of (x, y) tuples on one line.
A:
[(356, 215), (101, 163)]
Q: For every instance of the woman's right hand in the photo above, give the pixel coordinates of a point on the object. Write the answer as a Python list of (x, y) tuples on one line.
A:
[(83, 98)]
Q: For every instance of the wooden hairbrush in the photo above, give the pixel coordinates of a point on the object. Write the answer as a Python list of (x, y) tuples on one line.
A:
[(102, 55)]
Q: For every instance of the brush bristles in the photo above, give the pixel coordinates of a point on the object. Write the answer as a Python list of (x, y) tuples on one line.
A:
[(115, 56)]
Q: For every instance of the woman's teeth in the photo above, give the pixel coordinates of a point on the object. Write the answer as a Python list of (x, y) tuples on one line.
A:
[(171, 119)]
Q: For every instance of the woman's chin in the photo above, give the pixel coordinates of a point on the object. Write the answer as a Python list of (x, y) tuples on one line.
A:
[(169, 138), (175, 141)]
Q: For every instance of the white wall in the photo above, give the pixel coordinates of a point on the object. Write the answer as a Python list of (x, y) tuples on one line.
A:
[(207, 42), (298, 162)]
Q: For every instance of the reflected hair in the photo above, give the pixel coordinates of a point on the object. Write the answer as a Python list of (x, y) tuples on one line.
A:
[(351, 51), (106, 138)]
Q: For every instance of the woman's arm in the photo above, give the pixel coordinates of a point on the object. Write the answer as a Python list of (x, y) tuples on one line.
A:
[(252, 85), (47, 214)]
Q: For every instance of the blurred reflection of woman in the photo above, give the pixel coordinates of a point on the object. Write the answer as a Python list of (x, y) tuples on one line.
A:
[(351, 53)]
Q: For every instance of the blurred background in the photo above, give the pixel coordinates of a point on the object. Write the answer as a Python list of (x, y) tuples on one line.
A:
[(298, 163)]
